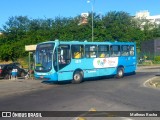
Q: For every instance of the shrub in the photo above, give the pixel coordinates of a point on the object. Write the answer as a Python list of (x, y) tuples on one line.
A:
[(157, 58)]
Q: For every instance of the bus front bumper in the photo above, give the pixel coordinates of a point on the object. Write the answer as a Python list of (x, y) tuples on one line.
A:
[(46, 77)]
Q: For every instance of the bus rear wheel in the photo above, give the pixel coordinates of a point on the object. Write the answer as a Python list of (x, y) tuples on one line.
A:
[(120, 72), (77, 77)]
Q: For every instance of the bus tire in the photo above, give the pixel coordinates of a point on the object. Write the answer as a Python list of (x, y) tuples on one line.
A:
[(120, 72), (77, 77)]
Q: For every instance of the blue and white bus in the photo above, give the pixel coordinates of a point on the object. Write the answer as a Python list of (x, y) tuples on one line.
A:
[(73, 60)]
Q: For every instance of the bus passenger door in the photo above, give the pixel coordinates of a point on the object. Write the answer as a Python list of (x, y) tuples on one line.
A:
[(64, 59), (55, 60), (63, 56)]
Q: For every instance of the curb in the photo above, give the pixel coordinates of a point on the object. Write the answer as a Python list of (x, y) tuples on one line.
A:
[(153, 82)]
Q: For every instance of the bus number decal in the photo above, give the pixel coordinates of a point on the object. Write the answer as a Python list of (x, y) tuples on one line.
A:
[(105, 62)]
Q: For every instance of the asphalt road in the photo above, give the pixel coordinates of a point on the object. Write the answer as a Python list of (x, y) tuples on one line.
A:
[(109, 94)]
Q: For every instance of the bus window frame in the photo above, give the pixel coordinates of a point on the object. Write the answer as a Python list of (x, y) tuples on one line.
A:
[(81, 52), (67, 58), (112, 52), (104, 53), (125, 52), (89, 51), (132, 51)]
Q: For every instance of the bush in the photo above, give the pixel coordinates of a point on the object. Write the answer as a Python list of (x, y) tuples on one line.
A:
[(157, 58)]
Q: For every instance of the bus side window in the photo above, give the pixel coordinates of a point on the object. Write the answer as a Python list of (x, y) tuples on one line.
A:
[(77, 51), (131, 50), (60, 55), (115, 50), (125, 50), (91, 51), (64, 54), (103, 51)]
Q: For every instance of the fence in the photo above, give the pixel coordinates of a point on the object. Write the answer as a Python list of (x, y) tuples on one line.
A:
[(148, 57)]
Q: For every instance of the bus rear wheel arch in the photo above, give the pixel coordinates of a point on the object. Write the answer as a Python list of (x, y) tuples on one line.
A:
[(120, 72), (77, 77)]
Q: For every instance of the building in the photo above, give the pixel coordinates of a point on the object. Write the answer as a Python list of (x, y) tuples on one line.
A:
[(146, 15), (144, 18)]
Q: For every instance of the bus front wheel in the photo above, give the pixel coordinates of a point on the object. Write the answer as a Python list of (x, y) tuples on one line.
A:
[(120, 72), (77, 77)]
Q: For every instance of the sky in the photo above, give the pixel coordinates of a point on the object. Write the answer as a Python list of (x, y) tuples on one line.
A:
[(35, 9)]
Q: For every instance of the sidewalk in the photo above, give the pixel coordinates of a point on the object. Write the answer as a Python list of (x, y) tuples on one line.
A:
[(21, 86), (139, 67), (155, 81)]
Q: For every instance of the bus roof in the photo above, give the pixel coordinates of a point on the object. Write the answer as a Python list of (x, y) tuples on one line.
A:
[(88, 43)]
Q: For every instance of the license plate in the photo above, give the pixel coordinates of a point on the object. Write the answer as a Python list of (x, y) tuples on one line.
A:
[(41, 76)]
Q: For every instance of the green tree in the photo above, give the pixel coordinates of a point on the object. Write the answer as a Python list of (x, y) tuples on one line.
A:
[(115, 25)]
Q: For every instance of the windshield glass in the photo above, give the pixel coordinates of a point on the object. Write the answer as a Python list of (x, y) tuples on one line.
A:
[(44, 59)]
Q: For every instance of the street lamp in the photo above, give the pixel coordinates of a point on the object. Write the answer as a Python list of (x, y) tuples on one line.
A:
[(92, 3)]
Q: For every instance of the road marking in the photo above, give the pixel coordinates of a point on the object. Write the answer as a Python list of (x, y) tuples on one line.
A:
[(125, 118), (94, 110), (82, 118)]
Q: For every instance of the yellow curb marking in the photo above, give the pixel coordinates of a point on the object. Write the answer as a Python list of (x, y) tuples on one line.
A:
[(82, 118), (92, 109)]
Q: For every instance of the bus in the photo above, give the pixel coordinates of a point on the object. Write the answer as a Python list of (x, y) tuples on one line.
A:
[(73, 60)]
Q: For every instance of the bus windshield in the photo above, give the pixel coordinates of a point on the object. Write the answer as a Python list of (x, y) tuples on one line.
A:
[(44, 59)]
